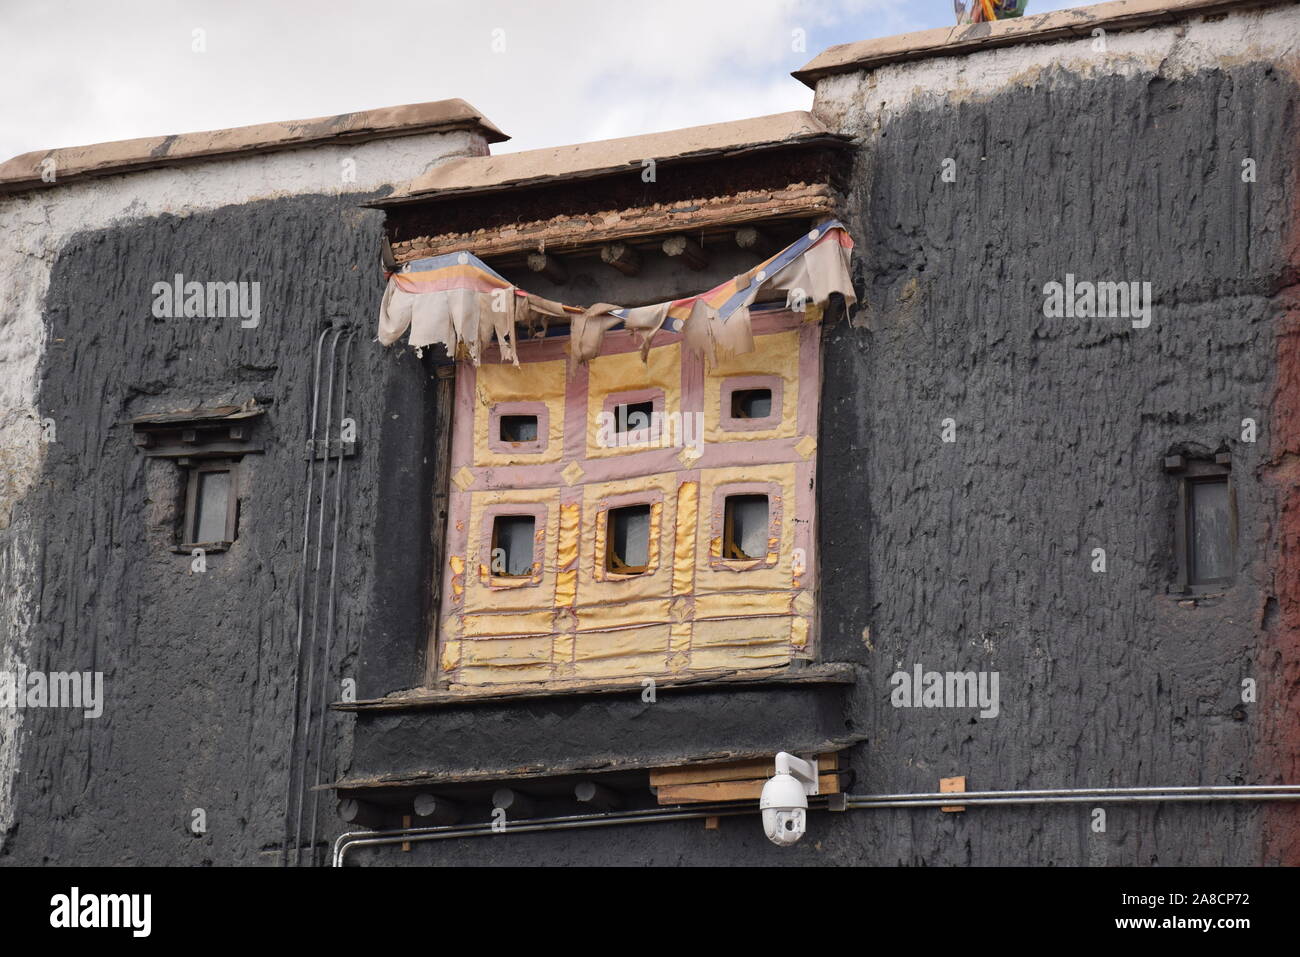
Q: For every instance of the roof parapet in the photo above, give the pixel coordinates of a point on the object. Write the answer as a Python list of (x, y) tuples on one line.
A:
[(24, 172), (479, 174), (1045, 27)]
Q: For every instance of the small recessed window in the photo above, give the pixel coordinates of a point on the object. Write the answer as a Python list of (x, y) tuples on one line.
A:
[(518, 428), (211, 505), (751, 403), (745, 527), (1210, 543), (633, 416), (1205, 528), (627, 540), (512, 545)]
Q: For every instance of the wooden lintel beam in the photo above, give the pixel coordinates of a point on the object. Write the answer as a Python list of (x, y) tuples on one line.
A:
[(690, 252)]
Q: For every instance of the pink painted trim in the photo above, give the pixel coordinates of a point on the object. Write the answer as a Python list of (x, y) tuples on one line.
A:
[(651, 497), (775, 509), (633, 437), (490, 513), (740, 383), (538, 409)]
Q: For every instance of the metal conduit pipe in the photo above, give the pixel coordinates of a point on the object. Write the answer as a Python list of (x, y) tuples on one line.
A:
[(302, 600), (1248, 792), (304, 747), (344, 842), (331, 591)]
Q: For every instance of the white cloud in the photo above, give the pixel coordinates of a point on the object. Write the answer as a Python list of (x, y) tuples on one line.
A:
[(571, 70)]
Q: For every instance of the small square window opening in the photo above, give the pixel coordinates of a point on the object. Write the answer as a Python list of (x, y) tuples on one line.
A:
[(518, 428), (751, 403), (627, 540), (745, 527), (633, 416), (512, 545), (1209, 531)]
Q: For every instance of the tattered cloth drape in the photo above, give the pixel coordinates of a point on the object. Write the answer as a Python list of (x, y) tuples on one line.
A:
[(459, 301)]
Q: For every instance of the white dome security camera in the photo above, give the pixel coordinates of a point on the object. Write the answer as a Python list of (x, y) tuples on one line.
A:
[(784, 802)]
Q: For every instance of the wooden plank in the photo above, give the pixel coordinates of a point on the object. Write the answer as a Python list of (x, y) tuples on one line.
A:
[(731, 771), (590, 231), (444, 402), (952, 786), (731, 790), (428, 777)]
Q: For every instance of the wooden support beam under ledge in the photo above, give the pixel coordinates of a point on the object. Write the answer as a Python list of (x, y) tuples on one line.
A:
[(752, 238), (552, 267), (691, 252), (622, 257)]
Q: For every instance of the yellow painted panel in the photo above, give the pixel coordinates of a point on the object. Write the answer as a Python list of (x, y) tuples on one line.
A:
[(633, 651), (740, 659), (712, 579), (525, 623), (594, 646), (688, 504), (528, 382), (656, 583), (743, 604), (506, 652), (740, 634), (775, 354), (566, 583), (625, 372), (651, 611), (479, 596)]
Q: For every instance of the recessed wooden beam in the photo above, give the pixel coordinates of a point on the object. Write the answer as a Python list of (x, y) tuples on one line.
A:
[(361, 813), (516, 804), (431, 809), (597, 795), (552, 267), (751, 238), (622, 257), (691, 252)]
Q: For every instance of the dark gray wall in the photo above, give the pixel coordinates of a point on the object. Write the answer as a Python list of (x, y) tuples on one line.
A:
[(976, 555), (970, 555), (198, 668)]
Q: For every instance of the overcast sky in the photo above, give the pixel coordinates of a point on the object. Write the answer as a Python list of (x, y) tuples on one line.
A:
[(547, 72)]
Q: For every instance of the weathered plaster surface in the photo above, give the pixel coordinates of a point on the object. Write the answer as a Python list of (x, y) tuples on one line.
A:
[(37, 227), (859, 103)]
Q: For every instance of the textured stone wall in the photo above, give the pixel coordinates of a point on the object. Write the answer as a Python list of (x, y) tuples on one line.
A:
[(974, 554)]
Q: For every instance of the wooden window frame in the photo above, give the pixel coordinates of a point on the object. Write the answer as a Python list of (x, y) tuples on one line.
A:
[(1189, 471), (538, 409), (539, 513), (190, 519), (628, 571)]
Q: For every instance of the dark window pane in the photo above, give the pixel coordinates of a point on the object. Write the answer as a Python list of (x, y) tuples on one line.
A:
[(628, 539), (518, 428), (512, 545), (1209, 528), (751, 403), (633, 417), (745, 530), (211, 506)]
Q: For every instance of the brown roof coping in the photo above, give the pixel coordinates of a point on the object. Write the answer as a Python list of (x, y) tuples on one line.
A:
[(971, 38), (122, 156), (477, 174)]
